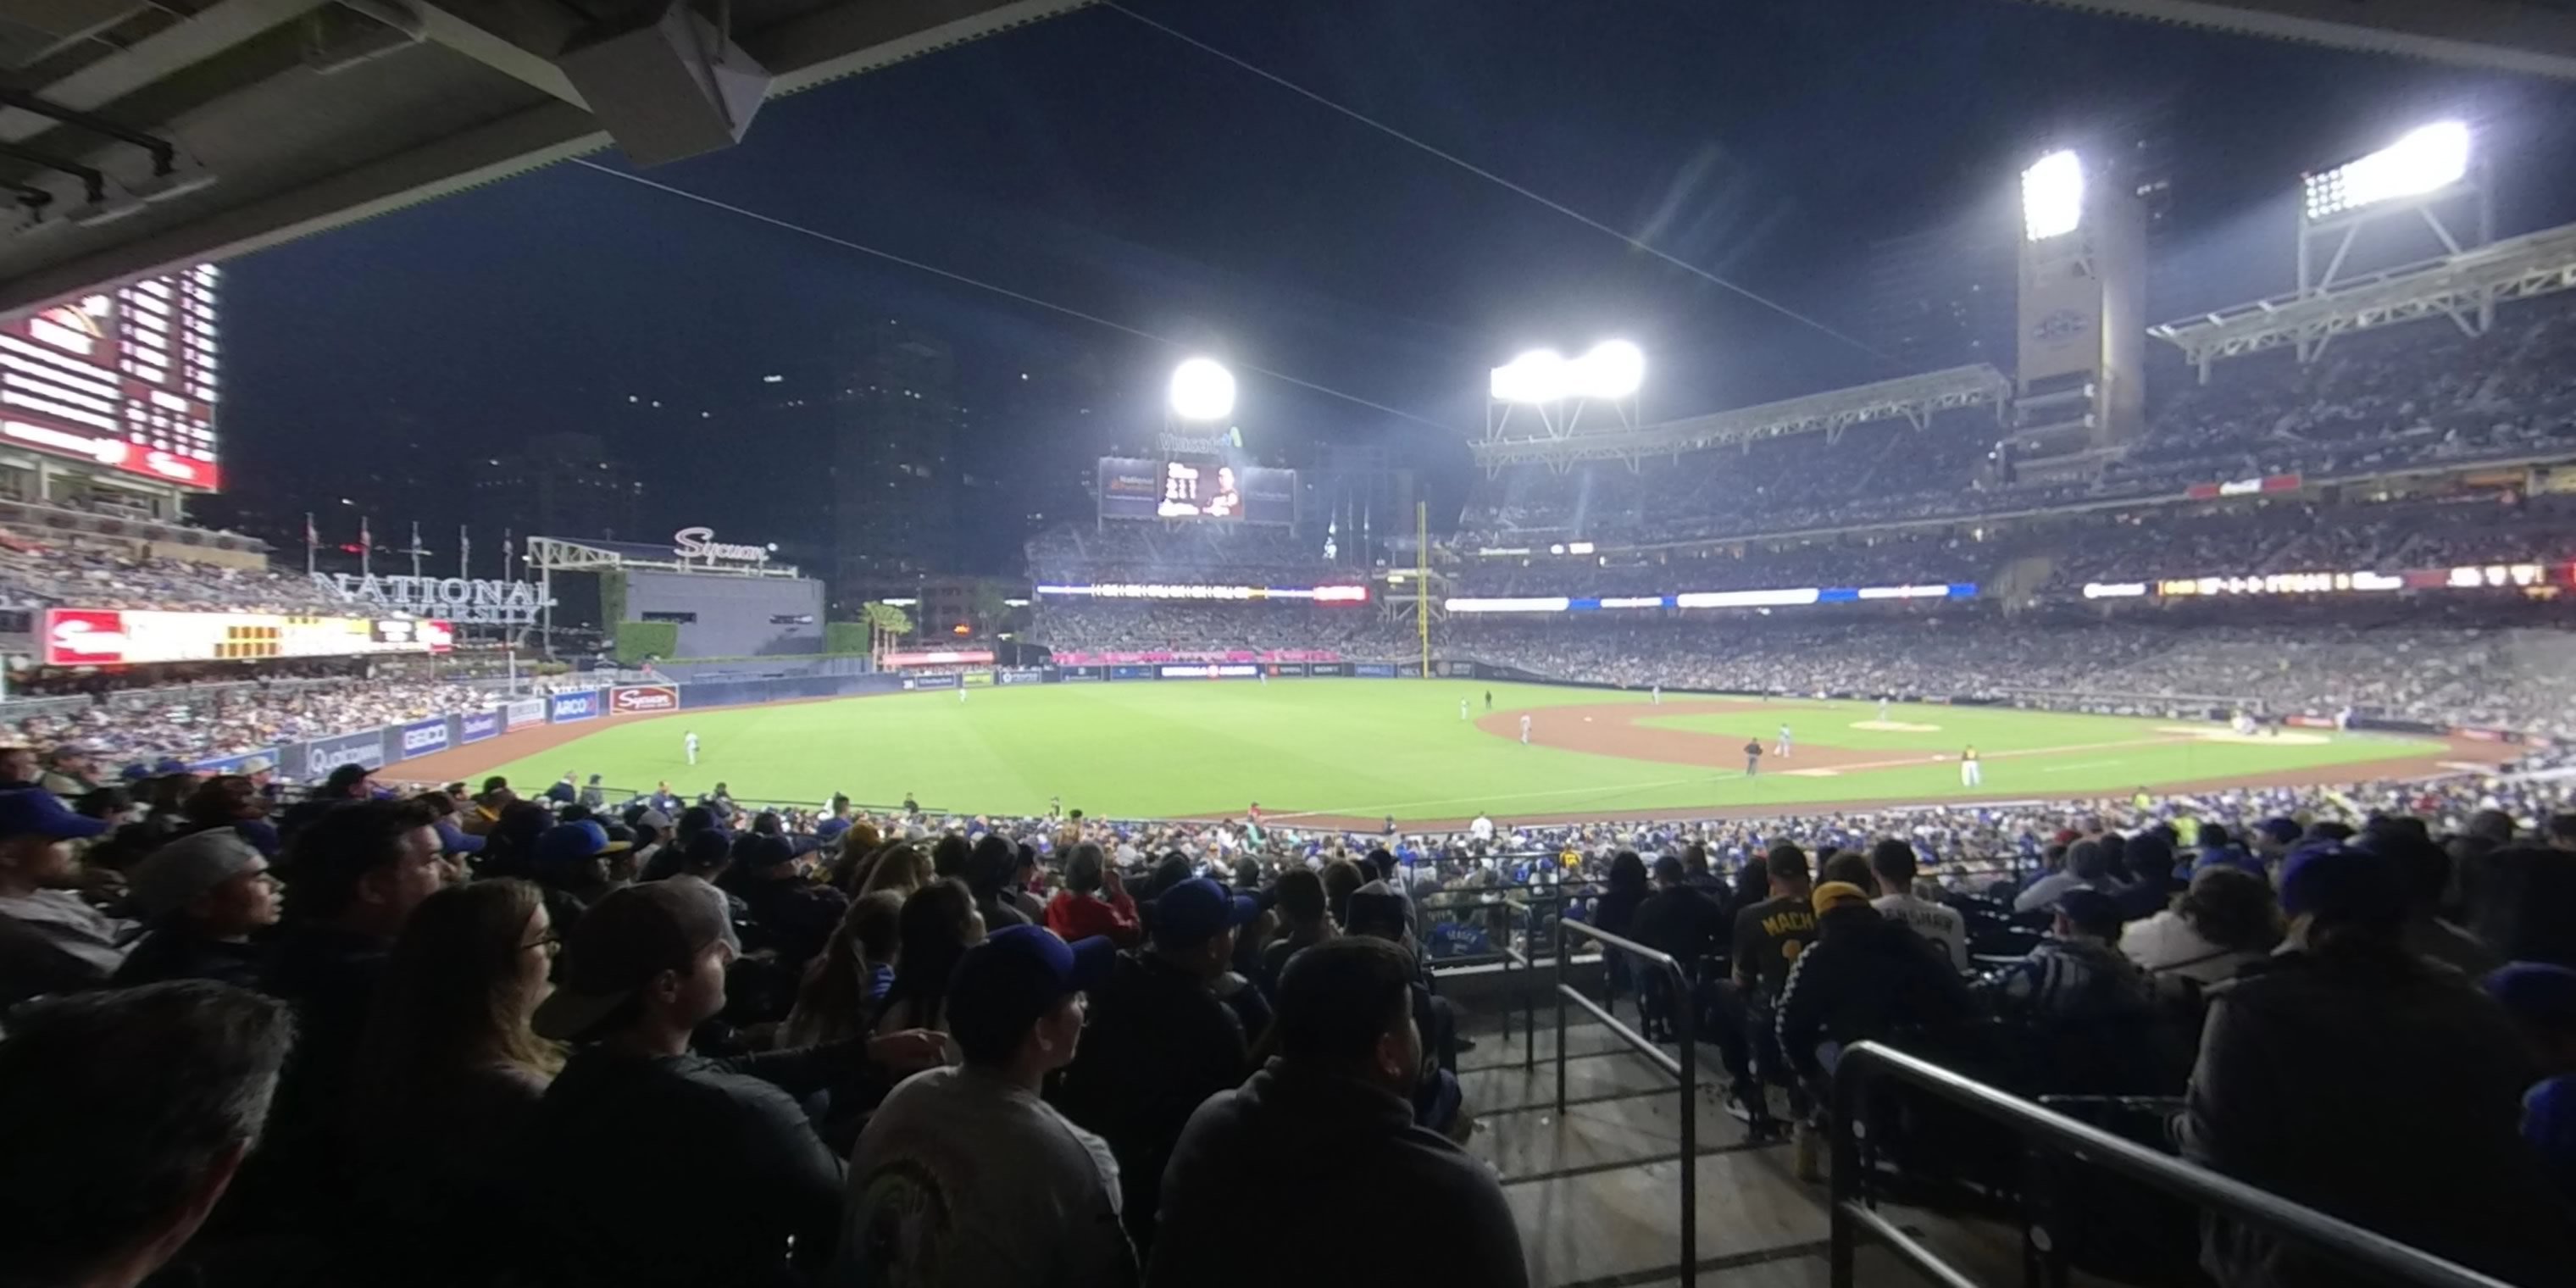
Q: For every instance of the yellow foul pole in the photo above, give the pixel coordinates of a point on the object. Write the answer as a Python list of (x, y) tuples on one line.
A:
[(1422, 580)]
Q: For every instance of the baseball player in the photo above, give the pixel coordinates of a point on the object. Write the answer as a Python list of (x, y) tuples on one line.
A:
[(1462, 708), (1784, 742), (961, 690), (690, 741), (1655, 697), (1752, 757), (1970, 775), (1525, 723), (1882, 711)]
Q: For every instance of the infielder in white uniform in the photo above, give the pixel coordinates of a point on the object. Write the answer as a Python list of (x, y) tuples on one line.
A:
[(1783, 749), (1882, 711), (1656, 698), (690, 740), (1462, 708), (1525, 731)]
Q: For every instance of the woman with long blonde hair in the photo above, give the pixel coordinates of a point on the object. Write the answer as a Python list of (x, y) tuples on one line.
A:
[(449, 1073), (903, 869)]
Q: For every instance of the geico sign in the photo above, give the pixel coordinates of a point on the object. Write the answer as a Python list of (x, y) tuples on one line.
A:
[(423, 737), (649, 697), (700, 543)]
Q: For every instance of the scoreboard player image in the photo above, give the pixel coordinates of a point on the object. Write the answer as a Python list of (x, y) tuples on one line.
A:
[(1188, 493)]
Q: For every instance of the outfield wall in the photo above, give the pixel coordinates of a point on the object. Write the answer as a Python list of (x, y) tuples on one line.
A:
[(394, 744)]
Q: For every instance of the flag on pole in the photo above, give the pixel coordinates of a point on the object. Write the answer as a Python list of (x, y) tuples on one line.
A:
[(312, 538), (464, 553), (366, 549)]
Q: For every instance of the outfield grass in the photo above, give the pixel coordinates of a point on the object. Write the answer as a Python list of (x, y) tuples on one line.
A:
[(1363, 748)]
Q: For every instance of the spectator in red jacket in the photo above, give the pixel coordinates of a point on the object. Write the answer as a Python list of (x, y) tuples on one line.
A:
[(1094, 901)]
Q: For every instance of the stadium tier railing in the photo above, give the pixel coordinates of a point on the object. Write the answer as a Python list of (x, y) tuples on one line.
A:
[(2371, 1257), (1684, 1066)]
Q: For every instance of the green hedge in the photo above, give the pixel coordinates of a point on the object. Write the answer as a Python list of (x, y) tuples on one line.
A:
[(845, 637), (637, 641)]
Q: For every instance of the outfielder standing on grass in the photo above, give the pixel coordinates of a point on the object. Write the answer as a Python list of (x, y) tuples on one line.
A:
[(1970, 775), (690, 741)]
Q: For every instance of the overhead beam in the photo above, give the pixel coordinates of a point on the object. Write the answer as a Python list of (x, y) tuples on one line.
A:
[(518, 40), (847, 39), (2503, 35), (206, 33)]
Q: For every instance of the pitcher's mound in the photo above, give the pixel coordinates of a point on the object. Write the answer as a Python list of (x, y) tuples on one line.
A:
[(1895, 726), (2214, 733)]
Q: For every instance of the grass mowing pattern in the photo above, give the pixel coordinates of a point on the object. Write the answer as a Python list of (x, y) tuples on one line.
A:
[(1368, 748)]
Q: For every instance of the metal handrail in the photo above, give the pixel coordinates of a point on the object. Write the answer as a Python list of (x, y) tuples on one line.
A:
[(1684, 1068), (2375, 1255)]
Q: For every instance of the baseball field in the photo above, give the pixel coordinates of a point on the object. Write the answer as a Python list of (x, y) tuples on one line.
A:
[(1360, 750)]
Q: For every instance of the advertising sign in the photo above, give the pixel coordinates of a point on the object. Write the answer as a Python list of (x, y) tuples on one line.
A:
[(1328, 668), (643, 699), (233, 764), (976, 679), (564, 708), (700, 543), (1023, 675), (367, 749), (1287, 668), (1077, 674), (116, 636), (1131, 673), (941, 657), (478, 726), (930, 681), (523, 713), (1374, 670), (483, 603), (424, 737), (1211, 671)]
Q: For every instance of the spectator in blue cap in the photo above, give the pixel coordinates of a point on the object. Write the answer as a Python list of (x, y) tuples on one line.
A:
[(51, 939), (2425, 869), (964, 1175), (2347, 1070), (796, 917), (2541, 997), (571, 862), (1161, 1040)]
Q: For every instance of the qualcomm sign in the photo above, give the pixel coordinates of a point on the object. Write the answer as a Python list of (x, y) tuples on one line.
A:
[(700, 543), (483, 603)]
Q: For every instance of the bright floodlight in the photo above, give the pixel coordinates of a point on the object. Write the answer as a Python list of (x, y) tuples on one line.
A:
[(1613, 369), (2052, 196), (2426, 160), (1537, 376), (1202, 389)]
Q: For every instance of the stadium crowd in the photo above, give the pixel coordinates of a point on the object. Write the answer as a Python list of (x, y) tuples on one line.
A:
[(144, 727), (448, 1038), (2382, 400), (38, 573)]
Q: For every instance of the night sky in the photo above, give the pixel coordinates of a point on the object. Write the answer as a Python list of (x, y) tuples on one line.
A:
[(1101, 164)]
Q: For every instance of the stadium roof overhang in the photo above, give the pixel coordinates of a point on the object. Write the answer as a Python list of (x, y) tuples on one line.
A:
[(2462, 287), (1916, 398), (2536, 37), (307, 115)]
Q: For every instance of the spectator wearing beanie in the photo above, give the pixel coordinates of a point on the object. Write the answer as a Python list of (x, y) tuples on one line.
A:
[(1866, 976), (1094, 901), (698, 863), (1161, 1040), (634, 1112), (1330, 1115), (51, 940), (204, 896), (965, 1175), (2346, 1070)]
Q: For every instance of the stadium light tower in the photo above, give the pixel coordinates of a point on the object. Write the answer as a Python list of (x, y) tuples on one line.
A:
[(2052, 196), (1558, 389), (1202, 390), (2433, 173)]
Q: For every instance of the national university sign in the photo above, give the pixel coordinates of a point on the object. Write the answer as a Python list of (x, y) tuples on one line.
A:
[(456, 599)]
